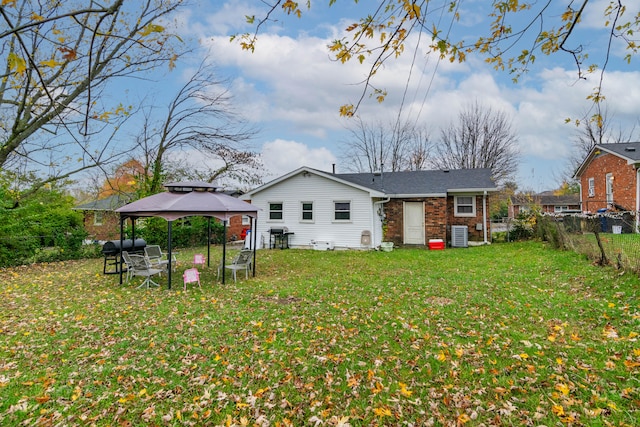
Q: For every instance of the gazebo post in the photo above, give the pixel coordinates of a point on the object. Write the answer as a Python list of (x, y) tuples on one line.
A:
[(224, 248), (122, 220), (209, 241), (169, 255), (255, 241)]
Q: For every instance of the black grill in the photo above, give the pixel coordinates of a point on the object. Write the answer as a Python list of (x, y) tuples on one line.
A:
[(279, 237), (112, 247), (112, 250)]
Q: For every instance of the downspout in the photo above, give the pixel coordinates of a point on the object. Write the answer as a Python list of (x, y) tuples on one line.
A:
[(484, 216), (373, 227), (581, 203)]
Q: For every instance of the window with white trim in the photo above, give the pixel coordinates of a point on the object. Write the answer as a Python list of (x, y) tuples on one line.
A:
[(592, 187), (98, 217), (276, 212), (609, 187), (246, 220), (306, 211), (560, 208), (465, 205), (342, 211)]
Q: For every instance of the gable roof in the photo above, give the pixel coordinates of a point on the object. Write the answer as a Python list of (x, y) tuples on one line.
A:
[(434, 183), (629, 151), (110, 203)]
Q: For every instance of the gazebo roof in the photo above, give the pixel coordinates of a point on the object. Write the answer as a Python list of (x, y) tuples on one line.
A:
[(190, 198)]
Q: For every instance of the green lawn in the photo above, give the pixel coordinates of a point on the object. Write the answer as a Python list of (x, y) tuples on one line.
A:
[(511, 334)]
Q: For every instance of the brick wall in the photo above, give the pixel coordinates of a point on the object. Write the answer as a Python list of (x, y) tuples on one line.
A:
[(470, 222), (624, 182), (438, 213), (108, 230)]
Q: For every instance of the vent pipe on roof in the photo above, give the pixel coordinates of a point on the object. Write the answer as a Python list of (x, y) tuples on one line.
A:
[(333, 167)]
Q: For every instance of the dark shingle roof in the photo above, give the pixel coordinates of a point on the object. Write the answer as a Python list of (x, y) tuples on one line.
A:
[(110, 203), (565, 199), (628, 150), (424, 182)]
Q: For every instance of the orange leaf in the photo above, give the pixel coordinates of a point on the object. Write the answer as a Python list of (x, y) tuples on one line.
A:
[(43, 399), (67, 53)]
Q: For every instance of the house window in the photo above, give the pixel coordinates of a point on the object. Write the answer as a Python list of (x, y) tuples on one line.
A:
[(246, 220), (609, 186), (306, 211), (98, 217), (342, 211), (275, 211), (558, 209), (465, 206), (592, 187)]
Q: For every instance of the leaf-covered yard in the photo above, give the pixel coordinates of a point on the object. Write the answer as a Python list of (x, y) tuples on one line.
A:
[(501, 335)]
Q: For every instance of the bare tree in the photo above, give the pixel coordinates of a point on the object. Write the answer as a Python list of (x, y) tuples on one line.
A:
[(482, 138), (398, 146), (199, 121), (60, 58)]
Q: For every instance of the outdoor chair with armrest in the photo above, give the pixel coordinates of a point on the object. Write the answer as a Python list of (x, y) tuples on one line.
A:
[(242, 261), (157, 258), (143, 267)]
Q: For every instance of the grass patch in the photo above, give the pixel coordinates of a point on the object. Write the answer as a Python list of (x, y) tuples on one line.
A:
[(498, 335)]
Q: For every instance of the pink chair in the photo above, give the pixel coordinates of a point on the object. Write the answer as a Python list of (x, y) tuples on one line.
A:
[(191, 275), (198, 259)]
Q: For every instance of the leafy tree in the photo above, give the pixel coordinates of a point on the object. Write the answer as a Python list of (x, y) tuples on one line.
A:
[(59, 58), (517, 32), (482, 138), (41, 227), (125, 179), (398, 146), (499, 204)]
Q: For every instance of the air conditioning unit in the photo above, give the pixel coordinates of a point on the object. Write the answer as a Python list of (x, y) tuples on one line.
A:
[(459, 236)]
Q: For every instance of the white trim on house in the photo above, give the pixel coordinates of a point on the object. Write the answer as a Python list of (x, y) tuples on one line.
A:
[(456, 204), (591, 185)]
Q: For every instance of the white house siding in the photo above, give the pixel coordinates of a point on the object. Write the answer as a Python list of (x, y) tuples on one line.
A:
[(323, 193)]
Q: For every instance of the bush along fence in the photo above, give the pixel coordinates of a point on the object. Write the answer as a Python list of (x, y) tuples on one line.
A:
[(608, 238)]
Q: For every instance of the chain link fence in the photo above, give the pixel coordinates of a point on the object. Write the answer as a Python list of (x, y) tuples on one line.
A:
[(607, 238)]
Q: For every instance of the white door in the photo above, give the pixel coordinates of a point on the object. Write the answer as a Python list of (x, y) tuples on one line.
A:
[(414, 223)]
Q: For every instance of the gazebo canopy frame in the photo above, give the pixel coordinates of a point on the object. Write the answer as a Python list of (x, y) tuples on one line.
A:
[(190, 198)]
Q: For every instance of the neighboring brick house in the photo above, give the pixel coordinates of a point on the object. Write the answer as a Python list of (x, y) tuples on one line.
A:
[(546, 201), (361, 210), (609, 178), (100, 220)]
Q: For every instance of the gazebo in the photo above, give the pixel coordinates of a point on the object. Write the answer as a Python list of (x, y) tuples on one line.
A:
[(184, 199)]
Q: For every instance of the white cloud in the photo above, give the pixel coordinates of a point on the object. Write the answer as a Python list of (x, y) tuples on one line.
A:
[(281, 156), (292, 90)]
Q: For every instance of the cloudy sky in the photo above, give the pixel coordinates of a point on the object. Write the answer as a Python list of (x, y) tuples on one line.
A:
[(291, 90)]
